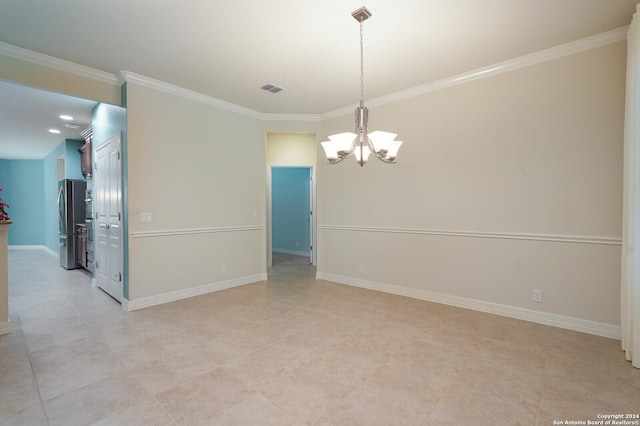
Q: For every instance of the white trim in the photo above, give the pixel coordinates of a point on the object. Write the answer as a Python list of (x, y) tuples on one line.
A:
[(56, 63), (561, 321), (552, 53), (51, 252), (128, 76), (34, 247), (5, 327), (470, 234), (132, 305), (267, 116), (292, 252), (488, 71), (192, 231)]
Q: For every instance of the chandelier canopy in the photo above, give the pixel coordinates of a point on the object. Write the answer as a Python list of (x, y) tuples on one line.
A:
[(362, 143)]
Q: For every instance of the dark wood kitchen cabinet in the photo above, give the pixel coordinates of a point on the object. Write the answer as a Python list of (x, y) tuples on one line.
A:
[(85, 158)]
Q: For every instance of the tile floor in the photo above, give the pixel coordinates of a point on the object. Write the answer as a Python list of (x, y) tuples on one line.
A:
[(290, 351)]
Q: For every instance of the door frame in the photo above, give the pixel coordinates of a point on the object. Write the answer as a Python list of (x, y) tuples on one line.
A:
[(314, 217)]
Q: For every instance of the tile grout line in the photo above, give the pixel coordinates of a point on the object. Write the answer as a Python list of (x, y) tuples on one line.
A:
[(33, 373), (475, 346), (16, 312), (153, 397), (456, 378), (94, 334), (542, 383)]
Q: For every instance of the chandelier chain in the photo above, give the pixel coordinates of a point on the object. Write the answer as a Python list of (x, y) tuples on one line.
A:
[(361, 63)]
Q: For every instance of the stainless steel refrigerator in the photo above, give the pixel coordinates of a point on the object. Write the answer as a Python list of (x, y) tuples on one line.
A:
[(71, 211)]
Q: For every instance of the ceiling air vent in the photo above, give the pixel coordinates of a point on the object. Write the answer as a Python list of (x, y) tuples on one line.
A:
[(272, 88), (71, 126)]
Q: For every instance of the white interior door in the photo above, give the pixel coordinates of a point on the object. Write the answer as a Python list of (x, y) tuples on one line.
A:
[(108, 180)]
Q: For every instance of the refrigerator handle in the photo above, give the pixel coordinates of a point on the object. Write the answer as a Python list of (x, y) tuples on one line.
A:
[(60, 209)]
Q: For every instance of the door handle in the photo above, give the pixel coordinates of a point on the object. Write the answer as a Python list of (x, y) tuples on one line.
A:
[(104, 225), (60, 207)]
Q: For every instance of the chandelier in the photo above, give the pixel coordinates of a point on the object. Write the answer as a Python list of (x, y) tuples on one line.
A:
[(362, 143)]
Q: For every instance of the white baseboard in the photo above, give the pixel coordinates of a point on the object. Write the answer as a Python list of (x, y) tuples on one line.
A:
[(561, 321), (51, 252), (5, 327), (132, 305), (293, 252), (34, 247)]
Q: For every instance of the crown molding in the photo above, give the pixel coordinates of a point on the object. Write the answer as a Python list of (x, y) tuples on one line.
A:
[(128, 76), (291, 117), (560, 51), (556, 52), (131, 77), (94, 74), (56, 63)]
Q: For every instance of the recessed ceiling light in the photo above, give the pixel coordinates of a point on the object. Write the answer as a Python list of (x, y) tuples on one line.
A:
[(66, 117), (56, 131)]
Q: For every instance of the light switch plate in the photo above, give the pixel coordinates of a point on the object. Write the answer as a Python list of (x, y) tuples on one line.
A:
[(146, 217)]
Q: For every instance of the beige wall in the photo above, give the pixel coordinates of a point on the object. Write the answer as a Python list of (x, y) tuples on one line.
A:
[(504, 184), (291, 149), (55, 80), (523, 158), (201, 172)]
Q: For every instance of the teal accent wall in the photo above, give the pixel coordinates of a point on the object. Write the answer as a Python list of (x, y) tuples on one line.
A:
[(31, 190), (290, 209), (107, 121), (4, 177), (72, 166), (68, 149), (121, 116), (50, 177), (4, 183), (22, 181), (4, 164)]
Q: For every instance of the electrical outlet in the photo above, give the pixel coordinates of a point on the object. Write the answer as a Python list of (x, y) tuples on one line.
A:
[(361, 269), (224, 270), (537, 296)]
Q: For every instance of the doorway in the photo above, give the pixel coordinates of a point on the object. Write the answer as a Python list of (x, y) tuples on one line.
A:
[(293, 151), (292, 211)]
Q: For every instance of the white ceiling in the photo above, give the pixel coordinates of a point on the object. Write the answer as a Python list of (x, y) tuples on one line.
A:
[(227, 49), (27, 114)]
